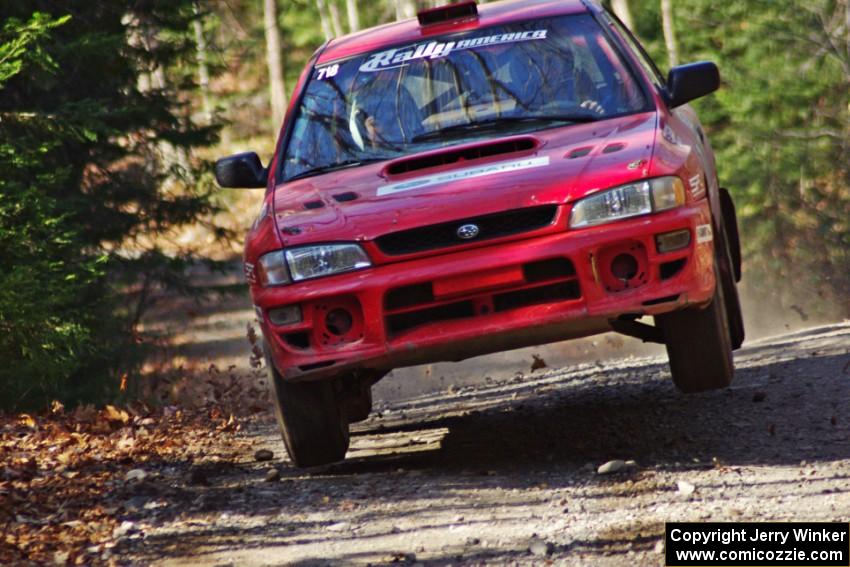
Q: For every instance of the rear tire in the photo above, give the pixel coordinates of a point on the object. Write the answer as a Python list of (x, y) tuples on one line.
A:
[(699, 346), (312, 423)]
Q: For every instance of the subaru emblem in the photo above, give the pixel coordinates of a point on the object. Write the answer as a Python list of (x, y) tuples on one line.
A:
[(468, 231)]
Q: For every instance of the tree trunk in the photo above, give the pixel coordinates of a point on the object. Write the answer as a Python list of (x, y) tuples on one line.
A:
[(336, 21), (669, 32), (847, 27), (353, 15), (621, 9), (277, 84), (405, 9), (203, 67), (143, 34), (323, 18)]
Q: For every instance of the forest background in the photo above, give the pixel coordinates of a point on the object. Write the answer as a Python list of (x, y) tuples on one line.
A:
[(112, 111)]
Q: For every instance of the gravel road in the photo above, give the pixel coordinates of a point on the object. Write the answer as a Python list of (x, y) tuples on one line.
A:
[(507, 472)]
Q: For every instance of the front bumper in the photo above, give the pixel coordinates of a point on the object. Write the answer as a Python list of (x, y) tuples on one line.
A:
[(498, 297)]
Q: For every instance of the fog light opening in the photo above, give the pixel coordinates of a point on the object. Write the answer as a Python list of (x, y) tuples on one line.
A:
[(624, 267), (672, 241), (339, 322), (285, 315)]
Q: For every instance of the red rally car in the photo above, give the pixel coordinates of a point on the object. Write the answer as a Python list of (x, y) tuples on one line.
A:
[(478, 179)]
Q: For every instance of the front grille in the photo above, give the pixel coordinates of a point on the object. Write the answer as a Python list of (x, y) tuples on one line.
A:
[(535, 296), (547, 270), (405, 321), (545, 281), (409, 296), (444, 235)]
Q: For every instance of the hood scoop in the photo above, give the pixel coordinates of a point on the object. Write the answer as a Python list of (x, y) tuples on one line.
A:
[(468, 153)]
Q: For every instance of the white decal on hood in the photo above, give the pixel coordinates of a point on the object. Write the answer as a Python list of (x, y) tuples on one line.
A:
[(470, 173), (394, 58)]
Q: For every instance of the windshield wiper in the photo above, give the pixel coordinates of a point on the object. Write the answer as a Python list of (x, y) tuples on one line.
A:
[(494, 123), (336, 167)]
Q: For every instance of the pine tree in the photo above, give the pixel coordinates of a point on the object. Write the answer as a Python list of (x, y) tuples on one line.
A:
[(86, 194)]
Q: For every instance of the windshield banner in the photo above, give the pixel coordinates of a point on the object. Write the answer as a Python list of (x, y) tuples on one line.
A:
[(395, 58)]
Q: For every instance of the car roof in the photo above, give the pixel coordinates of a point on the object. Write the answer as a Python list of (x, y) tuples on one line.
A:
[(409, 31)]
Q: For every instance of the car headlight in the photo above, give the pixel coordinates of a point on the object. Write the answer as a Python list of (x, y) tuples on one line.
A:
[(635, 199), (324, 260), (297, 264), (271, 269)]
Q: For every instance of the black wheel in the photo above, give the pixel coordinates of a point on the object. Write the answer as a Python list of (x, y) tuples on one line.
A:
[(734, 314), (728, 254), (357, 404), (699, 346), (730, 222), (312, 423)]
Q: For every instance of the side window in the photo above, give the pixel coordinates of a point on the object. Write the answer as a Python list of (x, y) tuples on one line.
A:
[(640, 53)]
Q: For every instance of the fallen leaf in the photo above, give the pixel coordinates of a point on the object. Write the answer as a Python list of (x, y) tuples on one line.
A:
[(799, 310), (347, 506), (85, 414), (26, 420), (113, 414), (538, 363)]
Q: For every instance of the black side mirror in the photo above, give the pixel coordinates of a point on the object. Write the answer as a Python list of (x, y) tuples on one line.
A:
[(241, 171), (688, 82)]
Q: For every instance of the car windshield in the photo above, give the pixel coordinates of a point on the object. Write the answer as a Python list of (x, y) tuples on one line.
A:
[(508, 79)]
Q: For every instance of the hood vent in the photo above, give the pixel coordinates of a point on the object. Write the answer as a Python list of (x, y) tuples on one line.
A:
[(580, 152), (453, 156), (346, 197), (312, 205), (613, 148)]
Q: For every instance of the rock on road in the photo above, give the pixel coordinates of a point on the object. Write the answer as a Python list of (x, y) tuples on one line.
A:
[(507, 473)]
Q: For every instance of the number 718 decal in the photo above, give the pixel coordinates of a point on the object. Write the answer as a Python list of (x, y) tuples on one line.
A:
[(328, 72)]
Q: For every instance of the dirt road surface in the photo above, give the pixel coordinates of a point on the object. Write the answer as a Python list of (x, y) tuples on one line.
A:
[(506, 472)]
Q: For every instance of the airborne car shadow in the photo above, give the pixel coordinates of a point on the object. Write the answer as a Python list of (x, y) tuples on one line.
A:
[(776, 403)]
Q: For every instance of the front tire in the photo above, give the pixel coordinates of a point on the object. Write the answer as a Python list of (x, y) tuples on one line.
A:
[(699, 345), (312, 423)]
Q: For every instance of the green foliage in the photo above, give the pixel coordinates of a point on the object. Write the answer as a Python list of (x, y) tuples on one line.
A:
[(22, 44), (781, 129), (94, 172), (43, 334)]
